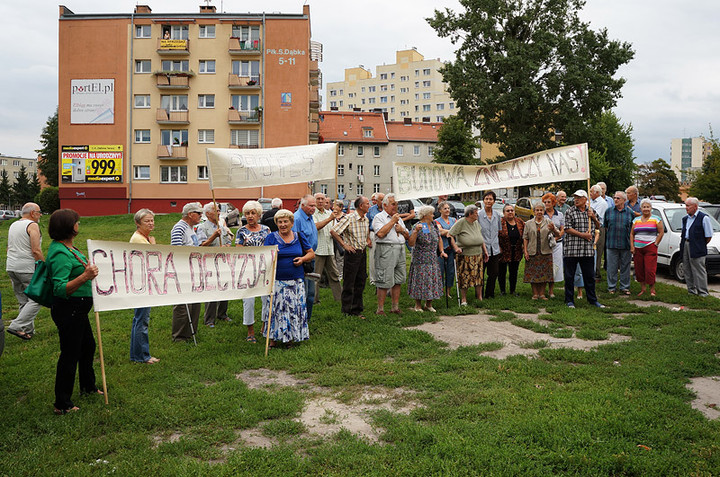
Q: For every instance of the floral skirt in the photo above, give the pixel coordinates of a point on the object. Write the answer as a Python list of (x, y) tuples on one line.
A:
[(289, 312), (470, 271), (539, 269)]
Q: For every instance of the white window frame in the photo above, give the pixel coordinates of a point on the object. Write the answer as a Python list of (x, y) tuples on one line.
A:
[(376, 151), (206, 136), (341, 189), (360, 151), (376, 188), (341, 149), (181, 66), (416, 150), (202, 173), (430, 150), (206, 67), (399, 150), (341, 170), (323, 188), (143, 66), (359, 189), (360, 169), (376, 170), (245, 137), (141, 173), (141, 137), (206, 31), (144, 101), (203, 101), (179, 170), (143, 31)]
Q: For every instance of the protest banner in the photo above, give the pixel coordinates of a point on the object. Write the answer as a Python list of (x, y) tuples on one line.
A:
[(415, 180), (141, 275), (238, 168)]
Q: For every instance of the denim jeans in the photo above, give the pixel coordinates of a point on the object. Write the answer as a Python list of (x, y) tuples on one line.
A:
[(618, 259), (139, 341), (587, 266), (310, 293)]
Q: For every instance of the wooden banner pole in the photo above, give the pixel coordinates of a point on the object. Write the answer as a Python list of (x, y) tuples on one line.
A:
[(270, 306), (102, 358)]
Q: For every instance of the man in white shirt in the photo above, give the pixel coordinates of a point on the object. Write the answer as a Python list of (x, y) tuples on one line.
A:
[(599, 205), (390, 272), (325, 253)]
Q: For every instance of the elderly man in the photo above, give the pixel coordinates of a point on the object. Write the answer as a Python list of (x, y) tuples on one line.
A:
[(603, 189), (562, 206), (351, 233), (599, 205), (618, 224), (375, 209), (23, 249), (696, 234), (304, 224), (325, 253), (185, 317), (210, 228), (580, 226), (632, 200), (390, 270), (268, 218)]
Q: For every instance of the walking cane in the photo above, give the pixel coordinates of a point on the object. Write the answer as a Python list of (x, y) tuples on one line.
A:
[(444, 279), (457, 284), (192, 330)]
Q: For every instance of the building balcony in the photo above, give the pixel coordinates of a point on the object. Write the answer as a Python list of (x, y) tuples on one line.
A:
[(244, 146), (243, 117), (172, 152), (173, 47), (243, 82), (164, 116), (171, 81), (314, 99), (238, 47)]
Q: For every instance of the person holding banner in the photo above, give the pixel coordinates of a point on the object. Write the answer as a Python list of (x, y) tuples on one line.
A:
[(139, 340), (289, 320), (471, 253), (253, 234), (205, 231), (71, 279)]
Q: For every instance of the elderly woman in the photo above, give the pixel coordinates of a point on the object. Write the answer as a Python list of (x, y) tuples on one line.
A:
[(538, 254), (425, 279), (289, 311), (558, 220), (139, 341), (337, 208), (511, 247), (645, 236), (71, 276), (447, 265), (253, 234), (471, 253)]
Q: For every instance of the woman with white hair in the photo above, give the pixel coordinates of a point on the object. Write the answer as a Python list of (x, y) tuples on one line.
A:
[(425, 278), (252, 234), (471, 253), (139, 340)]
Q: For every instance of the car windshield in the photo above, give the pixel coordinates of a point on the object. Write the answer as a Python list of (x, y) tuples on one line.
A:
[(675, 216)]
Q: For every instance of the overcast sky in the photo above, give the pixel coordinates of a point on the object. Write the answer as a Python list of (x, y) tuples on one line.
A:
[(672, 87)]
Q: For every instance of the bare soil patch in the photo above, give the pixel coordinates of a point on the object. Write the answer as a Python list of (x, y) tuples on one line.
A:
[(707, 390)]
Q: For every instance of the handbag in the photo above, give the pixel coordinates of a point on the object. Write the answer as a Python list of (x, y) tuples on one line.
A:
[(40, 289), (551, 241)]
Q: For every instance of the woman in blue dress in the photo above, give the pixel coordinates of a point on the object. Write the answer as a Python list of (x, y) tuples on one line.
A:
[(289, 312), (447, 264)]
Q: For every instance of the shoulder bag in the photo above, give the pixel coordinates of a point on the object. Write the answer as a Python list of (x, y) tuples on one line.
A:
[(40, 289)]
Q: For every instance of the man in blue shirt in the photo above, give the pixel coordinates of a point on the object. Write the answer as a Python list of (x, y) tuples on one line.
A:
[(696, 233), (618, 224), (305, 225)]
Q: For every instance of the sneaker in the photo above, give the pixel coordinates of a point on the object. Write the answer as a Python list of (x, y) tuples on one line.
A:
[(571, 305), (598, 304)]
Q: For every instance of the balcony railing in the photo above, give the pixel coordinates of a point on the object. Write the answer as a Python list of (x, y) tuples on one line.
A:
[(244, 146), (240, 117), (243, 82), (164, 116), (236, 46), (173, 81), (167, 47), (172, 152)]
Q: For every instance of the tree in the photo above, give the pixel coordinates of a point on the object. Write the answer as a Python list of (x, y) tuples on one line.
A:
[(5, 189), (48, 163), (525, 68), (22, 189), (34, 185), (706, 183), (48, 199), (657, 178), (455, 143)]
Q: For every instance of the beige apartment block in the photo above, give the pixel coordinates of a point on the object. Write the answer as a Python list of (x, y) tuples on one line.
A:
[(686, 156), (412, 87)]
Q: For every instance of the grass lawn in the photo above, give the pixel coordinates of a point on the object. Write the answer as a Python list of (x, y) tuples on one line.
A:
[(620, 409)]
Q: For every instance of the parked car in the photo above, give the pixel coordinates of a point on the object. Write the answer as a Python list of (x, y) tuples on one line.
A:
[(712, 210), (669, 248), (524, 207), (459, 208), (7, 215)]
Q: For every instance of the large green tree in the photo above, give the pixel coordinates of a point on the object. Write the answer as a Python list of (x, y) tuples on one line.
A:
[(455, 143), (5, 189), (22, 189), (48, 162), (524, 68), (658, 178), (706, 182)]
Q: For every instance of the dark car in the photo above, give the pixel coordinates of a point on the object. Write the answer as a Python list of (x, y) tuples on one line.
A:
[(712, 210)]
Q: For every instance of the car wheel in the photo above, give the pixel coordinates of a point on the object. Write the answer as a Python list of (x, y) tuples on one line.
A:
[(677, 268)]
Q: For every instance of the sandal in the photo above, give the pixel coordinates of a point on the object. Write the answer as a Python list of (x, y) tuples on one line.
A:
[(152, 360), (61, 412), (419, 310), (626, 292), (534, 297), (20, 334), (543, 297), (464, 303), (430, 309), (251, 339)]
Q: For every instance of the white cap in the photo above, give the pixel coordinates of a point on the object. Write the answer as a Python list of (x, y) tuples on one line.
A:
[(580, 193)]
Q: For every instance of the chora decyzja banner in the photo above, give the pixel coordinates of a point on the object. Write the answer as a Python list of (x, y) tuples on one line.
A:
[(238, 168), (415, 180)]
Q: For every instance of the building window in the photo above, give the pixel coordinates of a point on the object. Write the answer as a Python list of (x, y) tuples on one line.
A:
[(246, 33), (245, 102), (399, 150), (362, 89), (417, 72), (360, 189), (417, 108), (206, 136), (142, 66), (360, 169), (383, 87), (376, 151), (392, 75), (175, 65), (392, 87), (202, 173), (403, 90), (176, 32), (426, 95), (371, 100), (174, 137), (207, 31), (430, 150), (16, 174), (341, 170), (367, 132), (207, 67), (440, 106), (362, 100), (403, 101), (173, 174), (174, 102), (248, 69), (426, 107), (376, 188), (360, 151), (142, 136), (371, 89), (426, 84), (333, 104), (451, 105), (141, 173), (383, 99), (383, 76), (416, 150), (143, 31), (341, 103), (142, 101), (392, 110), (16, 163), (403, 78), (376, 170), (403, 114), (206, 100), (3, 162), (333, 92), (341, 149), (417, 84), (426, 72), (439, 119), (323, 188), (245, 137), (341, 189)]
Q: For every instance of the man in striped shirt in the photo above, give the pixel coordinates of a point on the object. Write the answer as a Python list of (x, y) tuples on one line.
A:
[(352, 233)]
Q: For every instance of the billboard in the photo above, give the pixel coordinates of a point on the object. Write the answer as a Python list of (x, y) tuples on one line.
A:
[(91, 163), (92, 101)]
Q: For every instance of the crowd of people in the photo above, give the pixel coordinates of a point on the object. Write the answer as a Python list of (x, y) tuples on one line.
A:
[(560, 242)]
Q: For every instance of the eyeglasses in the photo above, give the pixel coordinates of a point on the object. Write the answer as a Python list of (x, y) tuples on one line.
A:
[(617, 198)]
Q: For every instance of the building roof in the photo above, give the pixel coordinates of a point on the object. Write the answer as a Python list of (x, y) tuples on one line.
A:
[(350, 126)]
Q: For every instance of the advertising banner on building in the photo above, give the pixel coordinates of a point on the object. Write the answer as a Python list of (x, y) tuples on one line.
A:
[(91, 163), (562, 164), (92, 101), (238, 168), (141, 275)]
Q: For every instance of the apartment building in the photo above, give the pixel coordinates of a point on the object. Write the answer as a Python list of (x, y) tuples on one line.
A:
[(411, 88), (142, 96), (687, 155), (368, 144), (12, 165)]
